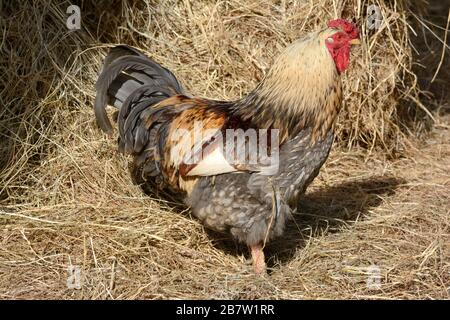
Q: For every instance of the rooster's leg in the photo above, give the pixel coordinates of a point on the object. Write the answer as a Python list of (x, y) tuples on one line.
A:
[(259, 265)]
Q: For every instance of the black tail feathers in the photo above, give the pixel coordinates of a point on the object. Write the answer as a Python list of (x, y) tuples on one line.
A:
[(125, 72)]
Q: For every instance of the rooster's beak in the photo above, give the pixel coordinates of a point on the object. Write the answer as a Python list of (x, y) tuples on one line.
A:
[(354, 41)]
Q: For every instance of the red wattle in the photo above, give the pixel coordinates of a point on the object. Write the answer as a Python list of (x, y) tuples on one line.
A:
[(342, 58)]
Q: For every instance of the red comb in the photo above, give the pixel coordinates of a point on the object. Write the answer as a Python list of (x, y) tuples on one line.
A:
[(348, 27)]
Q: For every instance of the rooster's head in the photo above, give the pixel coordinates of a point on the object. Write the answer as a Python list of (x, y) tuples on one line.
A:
[(303, 87), (342, 35)]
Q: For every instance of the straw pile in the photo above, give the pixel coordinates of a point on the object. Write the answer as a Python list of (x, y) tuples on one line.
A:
[(66, 198)]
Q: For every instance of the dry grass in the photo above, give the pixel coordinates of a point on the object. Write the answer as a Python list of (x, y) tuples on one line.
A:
[(66, 197)]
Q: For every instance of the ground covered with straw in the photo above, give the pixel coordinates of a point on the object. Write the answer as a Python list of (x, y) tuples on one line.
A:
[(374, 224)]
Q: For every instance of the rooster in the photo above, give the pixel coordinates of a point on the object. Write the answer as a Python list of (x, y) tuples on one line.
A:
[(297, 102)]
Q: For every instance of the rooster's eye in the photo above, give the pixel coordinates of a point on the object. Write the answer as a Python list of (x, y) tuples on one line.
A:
[(330, 40)]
